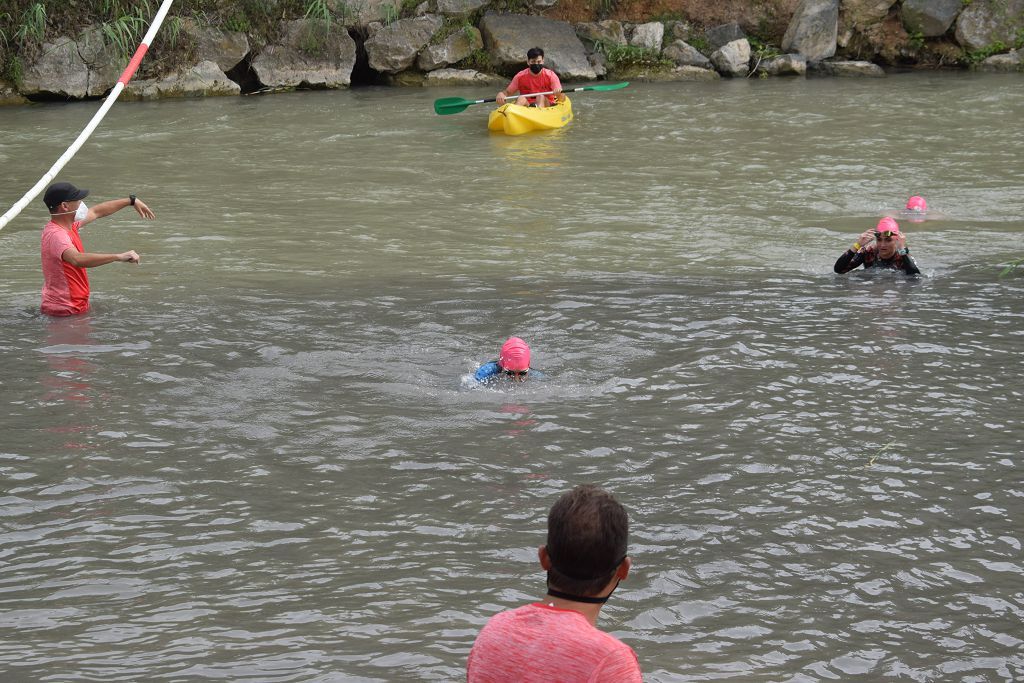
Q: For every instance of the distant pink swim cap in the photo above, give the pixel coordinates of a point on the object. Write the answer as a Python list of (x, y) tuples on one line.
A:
[(888, 225), (515, 355), (917, 203)]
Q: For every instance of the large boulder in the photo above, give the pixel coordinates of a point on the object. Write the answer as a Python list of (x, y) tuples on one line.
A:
[(59, 71), (362, 13), (985, 22), (784, 65), (607, 32), (289, 63), (225, 48), (104, 64), (684, 54), (813, 29), (507, 37), (394, 47), (202, 80), (648, 36), (459, 8), (733, 59), (454, 48), (851, 69), (930, 18), (72, 68), (1011, 61), (679, 30), (861, 13), (723, 34), (443, 77)]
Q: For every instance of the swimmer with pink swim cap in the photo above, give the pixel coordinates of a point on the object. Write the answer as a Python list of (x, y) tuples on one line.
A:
[(884, 247), (917, 204), (513, 363), (916, 210)]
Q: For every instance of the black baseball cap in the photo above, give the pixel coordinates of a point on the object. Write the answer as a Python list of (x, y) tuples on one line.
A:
[(62, 192)]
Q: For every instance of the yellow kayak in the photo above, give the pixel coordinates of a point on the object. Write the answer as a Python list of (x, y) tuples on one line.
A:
[(511, 119)]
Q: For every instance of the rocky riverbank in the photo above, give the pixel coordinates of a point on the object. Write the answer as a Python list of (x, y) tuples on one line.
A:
[(473, 42)]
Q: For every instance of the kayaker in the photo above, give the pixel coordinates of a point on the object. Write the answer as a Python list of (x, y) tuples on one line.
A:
[(534, 78), (883, 247), (556, 638), (513, 363), (65, 282)]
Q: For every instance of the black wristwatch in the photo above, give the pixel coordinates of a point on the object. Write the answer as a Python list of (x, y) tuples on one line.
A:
[(131, 199)]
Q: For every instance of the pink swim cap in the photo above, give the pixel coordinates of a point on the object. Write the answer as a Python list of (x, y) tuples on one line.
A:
[(888, 225), (515, 355), (917, 203)]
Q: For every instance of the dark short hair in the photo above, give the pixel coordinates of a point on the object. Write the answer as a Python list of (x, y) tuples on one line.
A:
[(588, 531), (534, 52)]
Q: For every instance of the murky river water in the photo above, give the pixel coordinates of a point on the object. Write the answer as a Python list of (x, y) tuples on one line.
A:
[(254, 460)]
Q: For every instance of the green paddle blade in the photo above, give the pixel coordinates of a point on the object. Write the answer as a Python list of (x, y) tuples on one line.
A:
[(602, 88), (451, 105)]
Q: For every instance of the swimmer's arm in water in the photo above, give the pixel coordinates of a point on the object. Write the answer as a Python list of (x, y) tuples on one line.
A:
[(486, 371), (909, 264), (848, 261), (854, 256)]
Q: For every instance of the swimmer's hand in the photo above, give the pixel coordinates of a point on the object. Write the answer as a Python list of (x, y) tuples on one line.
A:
[(128, 257), (866, 238)]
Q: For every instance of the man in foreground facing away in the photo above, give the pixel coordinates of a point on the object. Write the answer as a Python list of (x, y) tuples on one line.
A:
[(557, 639)]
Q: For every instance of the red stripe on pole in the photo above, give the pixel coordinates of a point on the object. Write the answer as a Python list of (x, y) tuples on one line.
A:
[(129, 70)]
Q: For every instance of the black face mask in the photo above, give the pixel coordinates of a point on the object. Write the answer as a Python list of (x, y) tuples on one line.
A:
[(535, 68)]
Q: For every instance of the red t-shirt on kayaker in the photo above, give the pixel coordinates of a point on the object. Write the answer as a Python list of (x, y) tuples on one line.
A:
[(65, 287), (526, 83)]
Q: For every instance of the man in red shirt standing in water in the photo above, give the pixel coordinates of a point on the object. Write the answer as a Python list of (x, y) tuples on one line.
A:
[(65, 283), (534, 78), (557, 639)]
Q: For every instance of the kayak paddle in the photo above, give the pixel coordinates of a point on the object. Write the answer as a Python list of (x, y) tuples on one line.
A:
[(453, 105)]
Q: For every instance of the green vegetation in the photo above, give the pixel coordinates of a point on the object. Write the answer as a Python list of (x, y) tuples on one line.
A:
[(879, 452), (605, 7), (916, 40), (33, 24), (450, 27), (478, 60), (763, 50), (124, 32), (760, 51), (1012, 266), (390, 13), (978, 56), (629, 59), (699, 43), (402, 10)]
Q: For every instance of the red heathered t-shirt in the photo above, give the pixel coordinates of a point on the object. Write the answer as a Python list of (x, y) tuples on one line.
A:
[(525, 82), (65, 287), (542, 644)]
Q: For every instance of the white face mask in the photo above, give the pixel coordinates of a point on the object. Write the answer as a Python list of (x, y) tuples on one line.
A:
[(80, 213)]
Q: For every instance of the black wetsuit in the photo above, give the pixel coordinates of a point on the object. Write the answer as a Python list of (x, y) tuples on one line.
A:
[(870, 259)]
